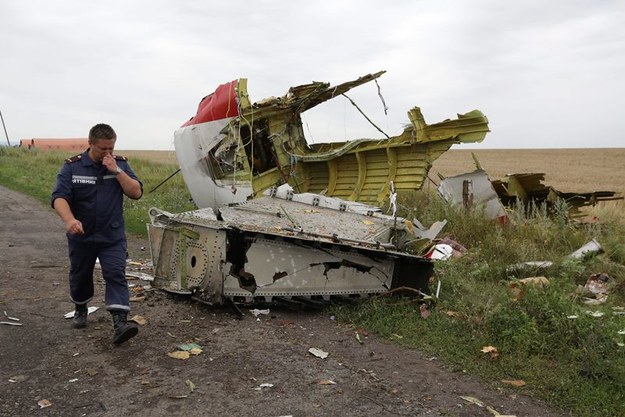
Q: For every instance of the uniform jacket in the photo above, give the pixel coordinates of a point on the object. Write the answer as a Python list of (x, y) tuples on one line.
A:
[(94, 196)]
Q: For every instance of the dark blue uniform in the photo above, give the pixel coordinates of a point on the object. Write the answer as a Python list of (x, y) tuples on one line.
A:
[(96, 200)]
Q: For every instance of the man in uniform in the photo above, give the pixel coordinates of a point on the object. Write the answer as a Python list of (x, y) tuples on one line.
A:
[(88, 197)]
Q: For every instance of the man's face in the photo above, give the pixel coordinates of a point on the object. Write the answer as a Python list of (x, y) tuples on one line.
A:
[(100, 148)]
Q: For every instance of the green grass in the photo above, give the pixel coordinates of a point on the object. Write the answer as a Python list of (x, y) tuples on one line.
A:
[(575, 364), (34, 173)]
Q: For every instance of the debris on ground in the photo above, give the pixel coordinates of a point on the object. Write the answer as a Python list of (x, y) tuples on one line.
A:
[(185, 351), (421, 232), (618, 311), (590, 248), (256, 312), (538, 282), (517, 286), (44, 403), (441, 252), (595, 290), (179, 354), (190, 384), (530, 265), (491, 350), (318, 353), (263, 385), (177, 397), (444, 249), (192, 348), (90, 310), (326, 382), (514, 382), (139, 275), (10, 318), (140, 320), (473, 400), (481, 404)]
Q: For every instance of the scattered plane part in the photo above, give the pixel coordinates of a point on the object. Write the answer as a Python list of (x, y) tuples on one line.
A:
[(233, 150), (440, 252), (473, 190), (592, 247), (273, 248), (422, 232), (530, 265), (528, 187), (596, 287)]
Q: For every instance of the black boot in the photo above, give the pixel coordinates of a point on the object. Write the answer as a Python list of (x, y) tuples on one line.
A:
[(80, 316), (123, 329)]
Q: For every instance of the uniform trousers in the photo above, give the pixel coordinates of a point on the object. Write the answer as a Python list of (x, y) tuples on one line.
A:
[(112, 259)]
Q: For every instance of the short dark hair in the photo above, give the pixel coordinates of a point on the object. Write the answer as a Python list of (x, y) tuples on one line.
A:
[(101, 131)]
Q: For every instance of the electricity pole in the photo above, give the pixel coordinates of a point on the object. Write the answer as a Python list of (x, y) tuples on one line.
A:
[(5, 129)]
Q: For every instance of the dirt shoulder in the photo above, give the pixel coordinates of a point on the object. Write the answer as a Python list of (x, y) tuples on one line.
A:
[(247, 367)]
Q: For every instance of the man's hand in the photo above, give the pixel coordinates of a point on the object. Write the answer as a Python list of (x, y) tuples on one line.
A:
[(74, 227), (109, 162)]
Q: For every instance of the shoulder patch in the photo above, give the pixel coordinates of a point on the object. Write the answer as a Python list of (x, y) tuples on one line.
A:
[(120, 158), (73, 159)]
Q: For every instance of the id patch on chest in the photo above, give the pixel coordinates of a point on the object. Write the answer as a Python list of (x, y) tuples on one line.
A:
[(83, 179)]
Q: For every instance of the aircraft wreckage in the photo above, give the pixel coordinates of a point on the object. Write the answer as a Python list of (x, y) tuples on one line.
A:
[(233, 150), (281, 218), (284, 245)]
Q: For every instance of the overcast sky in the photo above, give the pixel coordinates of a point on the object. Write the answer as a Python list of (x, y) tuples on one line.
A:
[(547, 74)]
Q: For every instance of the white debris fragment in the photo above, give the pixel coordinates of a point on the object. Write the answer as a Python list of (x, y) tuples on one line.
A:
[(140, 275), (89, 311), (440, 252), (10, 323), (318, 353), (264, 385), (256, 312), (589, 248), (10, 318)]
